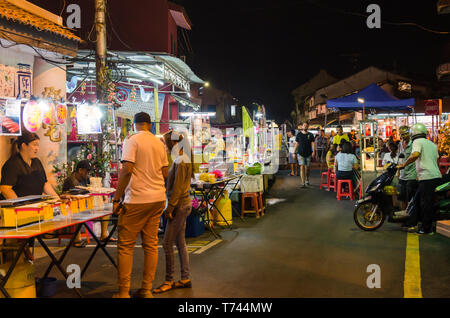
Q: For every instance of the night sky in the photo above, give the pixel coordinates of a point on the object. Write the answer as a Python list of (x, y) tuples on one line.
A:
[(259, 51)]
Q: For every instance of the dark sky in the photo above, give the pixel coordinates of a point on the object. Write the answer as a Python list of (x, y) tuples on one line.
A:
[(261, 50)]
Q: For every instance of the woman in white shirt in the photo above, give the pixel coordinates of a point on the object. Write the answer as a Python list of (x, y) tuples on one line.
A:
[(344, 163), (392, 155)]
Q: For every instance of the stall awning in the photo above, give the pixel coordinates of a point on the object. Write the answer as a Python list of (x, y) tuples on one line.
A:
[(186, 102), (374, 97)]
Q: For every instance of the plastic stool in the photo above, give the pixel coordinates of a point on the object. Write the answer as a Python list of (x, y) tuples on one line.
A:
[(261, 204), (340, 188), (332, 185), (254, 208), (325, 184)]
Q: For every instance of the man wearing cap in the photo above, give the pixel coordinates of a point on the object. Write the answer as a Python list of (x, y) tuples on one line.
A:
[(425, 154), (142, 182)]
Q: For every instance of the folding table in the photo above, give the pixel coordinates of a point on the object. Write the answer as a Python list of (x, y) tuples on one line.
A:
[(211, 192), (27, 234)]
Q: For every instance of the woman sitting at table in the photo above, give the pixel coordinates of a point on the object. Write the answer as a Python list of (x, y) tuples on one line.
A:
[(23, 173), (178, 209), (344, 163)]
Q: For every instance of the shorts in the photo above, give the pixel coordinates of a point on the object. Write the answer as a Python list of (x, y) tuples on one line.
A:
[(407, 189), (304, 161), (291, 158)]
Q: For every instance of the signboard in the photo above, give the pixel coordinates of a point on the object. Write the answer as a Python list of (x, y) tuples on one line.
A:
[(10, 117), (433, 107), (88, 120)]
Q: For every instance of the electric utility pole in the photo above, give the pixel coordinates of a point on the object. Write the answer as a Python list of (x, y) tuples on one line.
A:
[(100, 27)]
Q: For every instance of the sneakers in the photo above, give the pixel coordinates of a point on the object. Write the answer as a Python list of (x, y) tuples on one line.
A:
[(401, 213), (423, 232), (408, 228), (307, 182), (304, 185)]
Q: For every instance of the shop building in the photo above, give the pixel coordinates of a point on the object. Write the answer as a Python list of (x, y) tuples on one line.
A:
[(34, 45)]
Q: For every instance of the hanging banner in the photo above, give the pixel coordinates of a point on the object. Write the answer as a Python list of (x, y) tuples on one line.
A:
[(10, 117), (88, 120), (32, 116)]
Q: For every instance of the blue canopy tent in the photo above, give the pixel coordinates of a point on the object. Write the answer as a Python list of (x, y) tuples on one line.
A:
[(374, 98)]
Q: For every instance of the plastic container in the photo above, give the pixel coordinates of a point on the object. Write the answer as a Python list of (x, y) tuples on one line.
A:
[(21, 282), (48, 288)]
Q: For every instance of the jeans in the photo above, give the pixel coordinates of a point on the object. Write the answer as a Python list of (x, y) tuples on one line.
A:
[(138, 219), (175, 233), (424, 200)]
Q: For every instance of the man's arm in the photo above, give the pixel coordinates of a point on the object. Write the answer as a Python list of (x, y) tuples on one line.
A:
[(412, 158), (165, 172), (124, 179)]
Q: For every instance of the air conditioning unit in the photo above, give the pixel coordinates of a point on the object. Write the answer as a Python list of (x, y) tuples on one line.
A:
[(443, 71), (443, 7)]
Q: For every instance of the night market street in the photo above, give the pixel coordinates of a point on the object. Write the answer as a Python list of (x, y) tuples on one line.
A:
[(306, 246)]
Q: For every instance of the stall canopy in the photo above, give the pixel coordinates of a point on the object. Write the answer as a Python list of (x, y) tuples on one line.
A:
[(374, 97)]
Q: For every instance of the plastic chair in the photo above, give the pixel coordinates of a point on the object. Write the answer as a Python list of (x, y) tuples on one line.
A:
[(340, 189), (332, 185), (325, 184), (253, 199)]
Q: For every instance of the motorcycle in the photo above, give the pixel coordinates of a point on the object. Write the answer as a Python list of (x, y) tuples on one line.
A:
[(371, 212)]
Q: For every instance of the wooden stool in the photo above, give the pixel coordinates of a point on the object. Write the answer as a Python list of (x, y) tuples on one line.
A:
[(255, 205), (332, 185), (325, 184), (340, 188), (261, 203)]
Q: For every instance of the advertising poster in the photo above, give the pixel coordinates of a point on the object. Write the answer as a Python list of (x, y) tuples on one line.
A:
[(88, 120), (10, 117)]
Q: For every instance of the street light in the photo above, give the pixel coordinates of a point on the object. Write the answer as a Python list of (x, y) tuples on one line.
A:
[(363, 102)]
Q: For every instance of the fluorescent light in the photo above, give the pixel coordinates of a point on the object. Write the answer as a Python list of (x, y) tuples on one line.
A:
[(137, 72), (156, 81), (361, 100)]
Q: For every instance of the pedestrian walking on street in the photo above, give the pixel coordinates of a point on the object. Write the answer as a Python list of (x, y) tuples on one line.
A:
[(425, 155), (142, 180), (292, 160), (304, 147), (321, 146), (178, 209)]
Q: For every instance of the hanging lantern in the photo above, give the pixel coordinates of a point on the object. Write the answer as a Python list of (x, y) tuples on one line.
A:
[(133, 94), (48, 113), (32, 116), (61, 113), (83, 88)]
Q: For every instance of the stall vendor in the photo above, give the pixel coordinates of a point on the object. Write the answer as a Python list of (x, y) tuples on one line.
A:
[(80, 177), (23, 173)]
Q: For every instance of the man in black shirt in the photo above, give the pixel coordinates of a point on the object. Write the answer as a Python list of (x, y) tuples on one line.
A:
[(305, 148), (79, 177)]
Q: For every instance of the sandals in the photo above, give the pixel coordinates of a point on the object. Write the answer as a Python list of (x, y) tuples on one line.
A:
[(112, 239), (80, 244), (164, 287), (180, 284)]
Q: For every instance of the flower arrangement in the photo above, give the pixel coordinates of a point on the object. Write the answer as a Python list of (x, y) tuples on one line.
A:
[(444, 139)]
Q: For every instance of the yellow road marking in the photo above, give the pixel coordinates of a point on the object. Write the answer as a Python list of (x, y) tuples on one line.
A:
[(412, 283)]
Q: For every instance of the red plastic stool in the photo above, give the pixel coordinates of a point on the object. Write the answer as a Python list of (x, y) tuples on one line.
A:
[(254, 204), (325, 184), (332, 185), (340, 188)]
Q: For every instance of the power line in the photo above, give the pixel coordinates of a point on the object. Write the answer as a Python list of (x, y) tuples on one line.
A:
[(385, 22)]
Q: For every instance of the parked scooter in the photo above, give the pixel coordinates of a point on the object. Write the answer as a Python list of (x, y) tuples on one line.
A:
[(372, 210)]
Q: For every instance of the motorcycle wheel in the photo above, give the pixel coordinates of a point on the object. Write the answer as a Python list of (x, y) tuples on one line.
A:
[(363, 213)]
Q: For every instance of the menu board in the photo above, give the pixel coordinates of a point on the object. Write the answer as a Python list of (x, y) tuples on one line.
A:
[(10, 117)]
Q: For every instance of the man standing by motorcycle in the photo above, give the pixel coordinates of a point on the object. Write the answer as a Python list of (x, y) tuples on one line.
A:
[(408, 176), (425, 155)]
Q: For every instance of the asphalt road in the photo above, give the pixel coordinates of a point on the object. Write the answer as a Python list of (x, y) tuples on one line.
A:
[(306, 246)]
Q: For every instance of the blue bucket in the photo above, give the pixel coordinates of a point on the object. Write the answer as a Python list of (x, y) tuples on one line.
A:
[(48, 288)]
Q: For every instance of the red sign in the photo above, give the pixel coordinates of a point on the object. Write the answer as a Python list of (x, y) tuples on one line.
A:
[(388, 131), (433, 107)]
